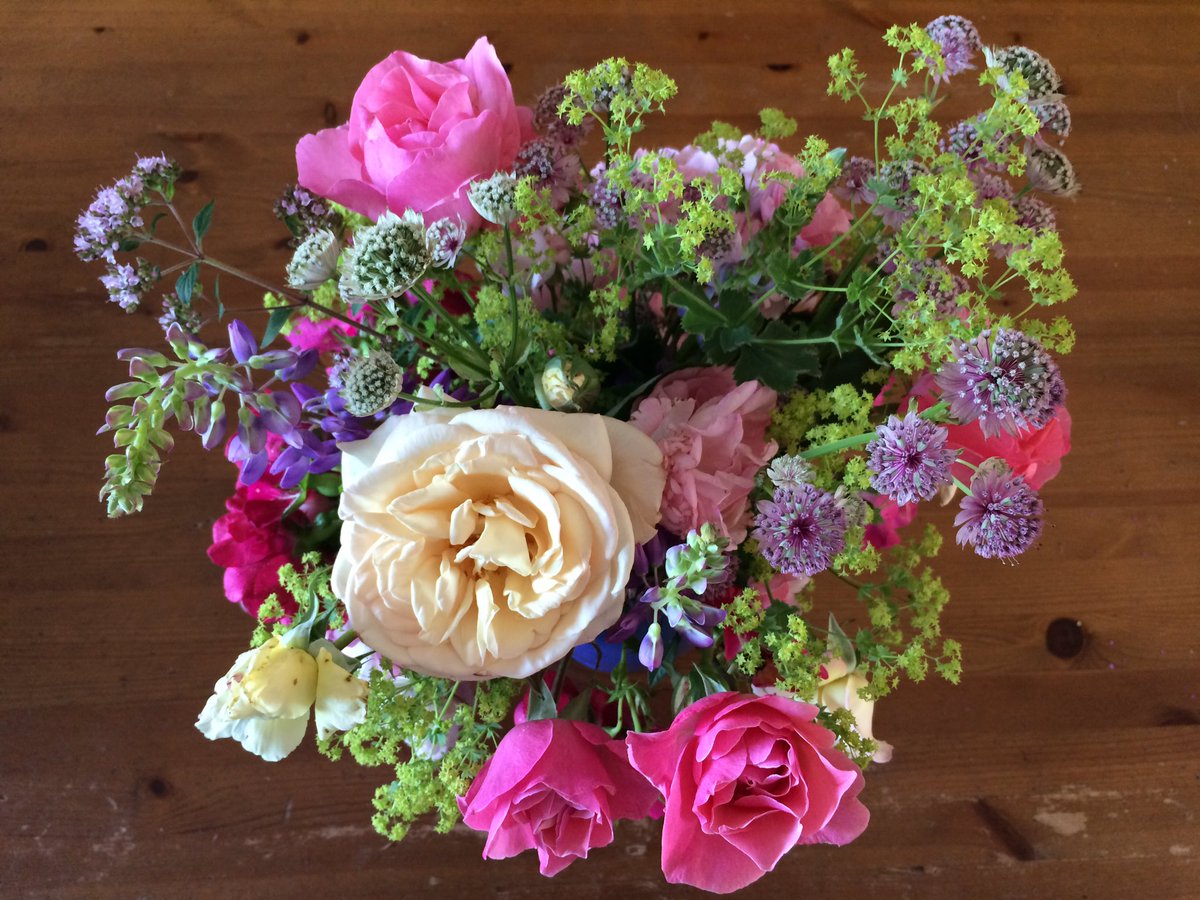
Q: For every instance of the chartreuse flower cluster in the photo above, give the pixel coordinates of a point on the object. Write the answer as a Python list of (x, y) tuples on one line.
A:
[(543, 421)]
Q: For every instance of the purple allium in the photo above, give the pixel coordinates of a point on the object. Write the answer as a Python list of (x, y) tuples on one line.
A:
[(126, 284), (551, 169), (1008, 383), (549, 122), (852, 186), (958, 40), (936, 280), (989, 186), (1002, 516), (1042, 80), (1055, 117), (1035, 214), (800, 530), (605, 199), (965, 140), (909, 459)]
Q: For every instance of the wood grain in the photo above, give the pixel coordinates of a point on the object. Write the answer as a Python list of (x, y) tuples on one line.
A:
[(1067, 774)]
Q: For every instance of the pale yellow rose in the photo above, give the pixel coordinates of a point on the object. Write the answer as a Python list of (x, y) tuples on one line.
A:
[(839, 690), (263, 702), (489, 543)]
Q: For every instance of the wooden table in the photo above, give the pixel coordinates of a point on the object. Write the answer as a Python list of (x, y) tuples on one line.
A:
[(1066, 765)]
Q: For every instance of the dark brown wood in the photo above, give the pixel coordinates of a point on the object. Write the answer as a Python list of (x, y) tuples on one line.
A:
[(1068, 763)]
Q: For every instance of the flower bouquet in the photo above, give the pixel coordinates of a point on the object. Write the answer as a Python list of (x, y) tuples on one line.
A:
[(544, 438)]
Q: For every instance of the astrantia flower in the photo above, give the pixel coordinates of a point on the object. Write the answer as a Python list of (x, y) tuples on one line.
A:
[(387, 258), (789, 471), (958, 40), (1008, 383), (1055, 117), (370, 383), (800, 530), (908, 459), (551, 169), (1051, 172), (445, 238), (1002, 516), (855, 175), (314, 261), (989, 186), (1042, 79), (548, 120), (495, 198)]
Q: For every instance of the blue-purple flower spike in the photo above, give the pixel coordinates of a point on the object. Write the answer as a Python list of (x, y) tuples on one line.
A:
[(908, 459)]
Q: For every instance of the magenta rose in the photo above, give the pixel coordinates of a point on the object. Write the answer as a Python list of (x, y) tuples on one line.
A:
[(555, 786), (712, 432), (419, 133), (746, 779)]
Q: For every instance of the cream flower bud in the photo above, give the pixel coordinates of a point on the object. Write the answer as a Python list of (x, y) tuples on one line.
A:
[(839, 690), (315, 260), (566, 385)]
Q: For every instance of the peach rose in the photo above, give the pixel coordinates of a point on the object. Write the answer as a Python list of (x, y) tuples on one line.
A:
[(489, 543)]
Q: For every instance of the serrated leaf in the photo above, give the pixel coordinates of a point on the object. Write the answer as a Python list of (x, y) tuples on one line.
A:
[(774, 362), (185, 285), (201, 222), (275, 323)]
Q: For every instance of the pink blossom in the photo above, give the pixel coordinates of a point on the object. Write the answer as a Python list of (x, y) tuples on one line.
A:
[(324, 336), (892, 517), (555, 786), (419, 133), (746, 779), (712, 432), (829, 220), (251, 540)]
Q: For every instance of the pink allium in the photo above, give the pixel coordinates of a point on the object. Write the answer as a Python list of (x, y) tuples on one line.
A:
[(746, 779), (419, 133), (555, 786), (712, 432)]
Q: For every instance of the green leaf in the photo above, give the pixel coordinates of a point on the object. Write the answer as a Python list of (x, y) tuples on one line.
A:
[(541, 703), (840, 644), (704, 683), (185, 285), (275, 323), (202, 221), (777, 365), (154, 223), (860, 341)]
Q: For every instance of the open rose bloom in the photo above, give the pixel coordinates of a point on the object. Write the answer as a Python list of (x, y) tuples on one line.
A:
[(571, 433)]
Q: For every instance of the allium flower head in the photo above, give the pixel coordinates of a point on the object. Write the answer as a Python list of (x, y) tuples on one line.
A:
[(800, 530), (495, 198), (989, 186), (606, 199), (1042, 79), (387, 258), (933, 278), (1002, 516), (1035, 214), (908, 459), (445, 238), (789, 471), (1055, 117), (1051, 172), (544, 161), (959, 42), (857, 171), (1009, 382), (315, 260), (370, 383), (548, 120)]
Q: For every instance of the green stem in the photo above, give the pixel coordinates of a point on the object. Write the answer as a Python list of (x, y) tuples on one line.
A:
[(511, 357), (835, 446), (962, 487), (346, 639)]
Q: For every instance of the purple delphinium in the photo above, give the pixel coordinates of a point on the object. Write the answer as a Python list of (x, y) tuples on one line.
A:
[(958, 40), (1007, 383), (909, 459), (800, 529), (1002, 516)]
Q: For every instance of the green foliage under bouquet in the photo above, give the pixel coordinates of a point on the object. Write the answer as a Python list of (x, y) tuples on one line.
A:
[(545, 436)]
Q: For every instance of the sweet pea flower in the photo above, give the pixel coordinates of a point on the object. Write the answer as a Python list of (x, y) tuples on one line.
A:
[(419, 133), (746, 779), (263, 701), (555, 786)]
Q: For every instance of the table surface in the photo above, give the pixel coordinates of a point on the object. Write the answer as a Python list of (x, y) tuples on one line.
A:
[(1062, 767)]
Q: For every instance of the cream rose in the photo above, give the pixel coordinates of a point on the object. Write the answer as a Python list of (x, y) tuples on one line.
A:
[(489, 543), (839, 690)]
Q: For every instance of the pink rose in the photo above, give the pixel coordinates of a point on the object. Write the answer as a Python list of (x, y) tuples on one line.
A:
[(892, 517), (829, 220), (712, 433), (419, 133), (746, 779), (325, 336), (555, 786)]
